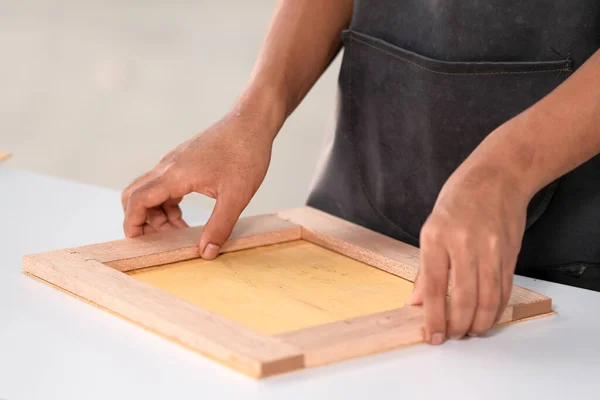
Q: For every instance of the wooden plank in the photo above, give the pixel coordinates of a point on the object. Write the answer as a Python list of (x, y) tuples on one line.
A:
[(370, 334), (282, 287), (240, 348), (526, 303), (358, 337), (172, 246), (387, 253)]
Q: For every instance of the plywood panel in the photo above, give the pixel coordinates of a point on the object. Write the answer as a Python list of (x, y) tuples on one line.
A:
[(282, 287)]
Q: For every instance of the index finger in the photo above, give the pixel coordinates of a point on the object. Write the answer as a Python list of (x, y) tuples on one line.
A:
[(132, 186), (150, 194), (435, 263)]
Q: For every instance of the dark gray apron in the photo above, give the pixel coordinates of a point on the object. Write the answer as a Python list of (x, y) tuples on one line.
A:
[(423, 82)]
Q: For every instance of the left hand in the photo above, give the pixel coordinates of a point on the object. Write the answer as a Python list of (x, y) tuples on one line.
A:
[(471, 240)]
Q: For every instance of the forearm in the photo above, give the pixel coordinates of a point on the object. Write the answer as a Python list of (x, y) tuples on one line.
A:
[(301, 42), (557, 134)]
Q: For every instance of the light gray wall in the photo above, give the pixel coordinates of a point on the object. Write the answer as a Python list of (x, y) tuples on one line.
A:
[(98, 90)]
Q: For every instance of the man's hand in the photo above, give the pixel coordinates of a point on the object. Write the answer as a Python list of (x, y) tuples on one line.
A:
[(227, 162), (473, 236), (471, 240)]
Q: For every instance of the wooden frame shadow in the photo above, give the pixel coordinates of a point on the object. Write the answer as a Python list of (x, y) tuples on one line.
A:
[(96, 273)]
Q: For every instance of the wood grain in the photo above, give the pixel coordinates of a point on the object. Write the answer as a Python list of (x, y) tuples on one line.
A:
[(526, 303), (172, 246), (281, 287), (223, 340)]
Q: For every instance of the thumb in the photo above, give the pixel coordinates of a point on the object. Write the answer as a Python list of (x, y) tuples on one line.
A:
[(416, 297), (219, 226)]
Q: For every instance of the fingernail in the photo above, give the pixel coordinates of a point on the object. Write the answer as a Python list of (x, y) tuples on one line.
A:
[(437, 338), (471, 334), (456, 337), (211, 251)]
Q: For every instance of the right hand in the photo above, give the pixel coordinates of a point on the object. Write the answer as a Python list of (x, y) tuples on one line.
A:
[(227, 162)]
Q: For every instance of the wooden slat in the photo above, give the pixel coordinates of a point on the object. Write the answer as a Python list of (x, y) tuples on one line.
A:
[(358, 337), (526, 303), (388, 254), (240, 348), (374, 333), (172, 246)]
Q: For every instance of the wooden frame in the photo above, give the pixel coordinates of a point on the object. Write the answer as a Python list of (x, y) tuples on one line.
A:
[(95, 273)]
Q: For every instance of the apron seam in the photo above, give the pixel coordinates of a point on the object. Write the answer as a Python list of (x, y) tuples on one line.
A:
[(352, 37)]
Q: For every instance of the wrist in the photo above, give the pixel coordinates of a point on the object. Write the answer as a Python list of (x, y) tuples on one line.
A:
[(520, 154), (508, 157), (264, 106), (485, 175)]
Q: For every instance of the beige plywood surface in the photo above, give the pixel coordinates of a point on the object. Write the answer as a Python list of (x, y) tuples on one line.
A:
[(282, 287)]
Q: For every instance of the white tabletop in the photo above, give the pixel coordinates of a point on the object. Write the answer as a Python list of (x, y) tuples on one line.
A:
[(53, 346)]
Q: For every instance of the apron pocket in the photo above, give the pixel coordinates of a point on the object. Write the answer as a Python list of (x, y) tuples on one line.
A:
[(412, 120)]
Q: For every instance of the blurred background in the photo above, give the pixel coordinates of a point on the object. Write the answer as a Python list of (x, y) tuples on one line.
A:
[(97, 91)]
